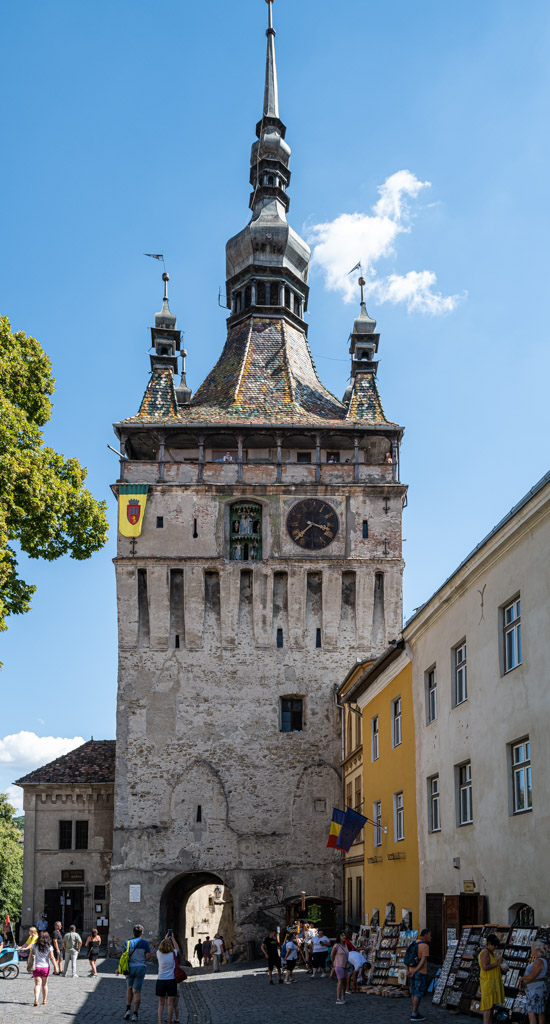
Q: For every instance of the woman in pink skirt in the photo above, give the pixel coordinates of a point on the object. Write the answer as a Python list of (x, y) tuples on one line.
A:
[(43, 956), (339, 957)]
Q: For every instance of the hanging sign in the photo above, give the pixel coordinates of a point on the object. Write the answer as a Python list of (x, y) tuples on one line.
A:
[(132, 499), (469, 885)]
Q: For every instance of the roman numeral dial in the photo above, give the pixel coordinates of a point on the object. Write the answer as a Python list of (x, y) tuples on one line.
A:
[(312, 524)]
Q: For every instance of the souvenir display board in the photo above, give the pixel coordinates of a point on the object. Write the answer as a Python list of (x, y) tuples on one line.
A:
[(403, 942), (458, 986), (387, 945), (443, 977)]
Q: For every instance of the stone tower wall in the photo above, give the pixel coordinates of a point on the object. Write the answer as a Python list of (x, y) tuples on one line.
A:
[(206, 781)]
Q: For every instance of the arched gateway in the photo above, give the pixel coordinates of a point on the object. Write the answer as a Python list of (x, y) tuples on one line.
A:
[(197, 905)]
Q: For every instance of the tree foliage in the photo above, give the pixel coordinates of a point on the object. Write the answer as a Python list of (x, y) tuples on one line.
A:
[(11, 862), (44, 506)]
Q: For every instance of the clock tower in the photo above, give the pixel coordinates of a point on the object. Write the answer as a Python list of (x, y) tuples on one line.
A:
[(259, 555)]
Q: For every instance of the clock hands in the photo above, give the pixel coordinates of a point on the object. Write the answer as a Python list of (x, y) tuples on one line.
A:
[(310, 523)]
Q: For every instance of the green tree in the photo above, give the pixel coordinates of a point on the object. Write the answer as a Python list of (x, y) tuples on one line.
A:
[(11, 862), (44, 506)]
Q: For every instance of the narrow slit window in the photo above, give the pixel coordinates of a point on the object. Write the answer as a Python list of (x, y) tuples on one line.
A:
[(199, 812), (365, 529), (195, 531), (279, 638), (176, 641), (160, 522), (318, 638)]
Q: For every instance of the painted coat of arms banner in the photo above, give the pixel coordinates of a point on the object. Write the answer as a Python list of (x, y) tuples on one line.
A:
[(132, 499)]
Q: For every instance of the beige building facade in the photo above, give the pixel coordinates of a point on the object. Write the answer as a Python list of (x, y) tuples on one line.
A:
[(482, 714), (68, 808)]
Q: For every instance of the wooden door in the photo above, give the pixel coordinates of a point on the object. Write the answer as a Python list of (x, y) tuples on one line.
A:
[(434, 922)]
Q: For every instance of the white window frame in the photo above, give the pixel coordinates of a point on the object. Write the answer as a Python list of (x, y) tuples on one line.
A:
[(396, 723), (460, 674), (434, 804), (465, 802), (398, 817), (374, 738), (377, 818), (521, 775), (431, 695), (511, 624)]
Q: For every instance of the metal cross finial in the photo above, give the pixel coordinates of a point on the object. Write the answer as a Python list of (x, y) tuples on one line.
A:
[(166, 278), (361, 282)]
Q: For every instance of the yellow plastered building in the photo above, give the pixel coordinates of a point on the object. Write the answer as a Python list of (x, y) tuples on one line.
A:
[(382, 693)]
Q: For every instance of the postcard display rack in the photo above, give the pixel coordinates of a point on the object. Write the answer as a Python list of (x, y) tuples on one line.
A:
[(458, 988), (385, 954)]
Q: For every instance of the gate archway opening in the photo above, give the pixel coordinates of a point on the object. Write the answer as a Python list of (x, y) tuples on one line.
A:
[(197, 905)]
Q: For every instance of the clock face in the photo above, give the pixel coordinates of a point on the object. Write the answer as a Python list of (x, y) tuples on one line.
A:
[(312, 524)]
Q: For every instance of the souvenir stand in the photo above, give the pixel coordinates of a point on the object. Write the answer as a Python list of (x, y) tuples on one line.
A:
[(385, 954), (398, 971), (458, 986)]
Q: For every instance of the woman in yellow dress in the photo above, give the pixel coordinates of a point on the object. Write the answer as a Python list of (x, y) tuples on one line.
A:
[(28, 946), (491, 970)]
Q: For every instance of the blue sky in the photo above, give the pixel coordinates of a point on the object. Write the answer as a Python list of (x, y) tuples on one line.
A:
[(127, 129)]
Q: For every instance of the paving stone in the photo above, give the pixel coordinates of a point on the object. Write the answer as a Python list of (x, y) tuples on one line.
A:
[(238, 994)]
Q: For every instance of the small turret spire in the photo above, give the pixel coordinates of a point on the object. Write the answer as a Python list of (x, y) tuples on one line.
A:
[(271, 93)]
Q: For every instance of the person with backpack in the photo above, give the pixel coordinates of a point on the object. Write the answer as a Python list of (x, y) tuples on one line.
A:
[(416, 962), (289, 956), (139, 952)]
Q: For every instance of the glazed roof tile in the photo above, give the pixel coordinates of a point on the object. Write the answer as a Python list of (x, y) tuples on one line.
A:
[(265, 373), (93, 761), (365, 403)]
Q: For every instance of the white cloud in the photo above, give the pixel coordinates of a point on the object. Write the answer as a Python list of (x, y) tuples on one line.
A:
[(23, 751), (15, 798), (372, 237)]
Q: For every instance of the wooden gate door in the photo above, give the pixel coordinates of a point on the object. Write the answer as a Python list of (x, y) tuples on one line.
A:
[(434, 922)]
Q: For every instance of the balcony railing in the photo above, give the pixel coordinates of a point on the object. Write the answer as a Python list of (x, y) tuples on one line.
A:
[(230, 473)]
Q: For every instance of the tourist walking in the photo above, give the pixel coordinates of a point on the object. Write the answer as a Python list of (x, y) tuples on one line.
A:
[(199, 952), (339, 957), (535, 984), (217, 951), (57, 942), (166, 988), (71, 944), (270, 949), (290, 956), (93, 942), (27, 946), (321, 942), (207, 951), (139, 952), (43, 956), (418, 973)]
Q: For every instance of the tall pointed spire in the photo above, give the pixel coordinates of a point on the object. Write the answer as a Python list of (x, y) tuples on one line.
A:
[(271, 92)]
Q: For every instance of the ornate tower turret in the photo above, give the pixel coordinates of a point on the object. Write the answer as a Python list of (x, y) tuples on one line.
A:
[(267, 262)]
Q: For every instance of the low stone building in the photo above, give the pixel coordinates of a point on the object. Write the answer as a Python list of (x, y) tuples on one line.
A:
[(68, 807)]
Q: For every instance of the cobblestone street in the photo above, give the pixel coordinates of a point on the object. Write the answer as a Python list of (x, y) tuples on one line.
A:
[(237, 995)]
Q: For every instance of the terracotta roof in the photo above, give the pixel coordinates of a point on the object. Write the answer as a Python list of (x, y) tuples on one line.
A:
[(94, 761), (365, 403)]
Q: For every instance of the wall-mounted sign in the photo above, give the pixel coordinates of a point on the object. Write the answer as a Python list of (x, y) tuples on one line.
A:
[(469, 885), (72, 876), (135, 894)]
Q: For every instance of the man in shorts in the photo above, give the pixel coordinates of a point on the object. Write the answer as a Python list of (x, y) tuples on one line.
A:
[(57, 942), (139, 953), (270, 949), (207, 951), (321, 942), (418, 975), (290, 958)]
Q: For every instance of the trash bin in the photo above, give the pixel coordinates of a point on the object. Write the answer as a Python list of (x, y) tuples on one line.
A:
[(251, 949)]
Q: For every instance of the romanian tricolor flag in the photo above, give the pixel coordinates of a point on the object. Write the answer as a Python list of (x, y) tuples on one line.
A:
[(335, 826), (132, 499)]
